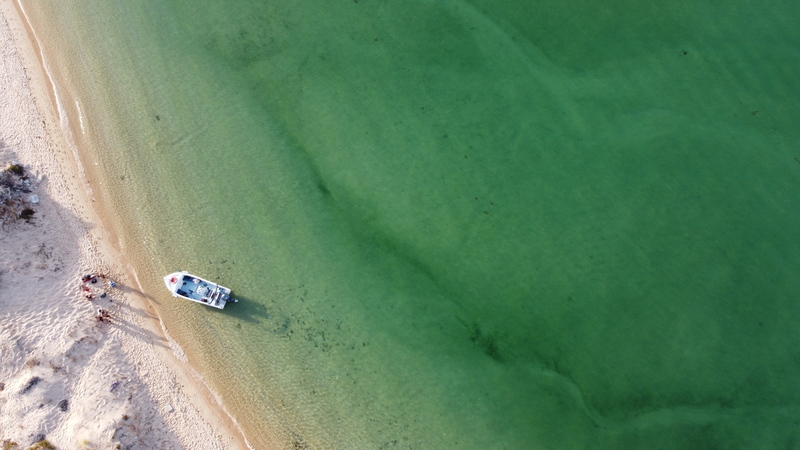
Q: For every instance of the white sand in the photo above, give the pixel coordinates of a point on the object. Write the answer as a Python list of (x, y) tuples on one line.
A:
[(101, 385)]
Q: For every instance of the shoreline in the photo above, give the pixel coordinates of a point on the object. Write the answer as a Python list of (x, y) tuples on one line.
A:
[(167, 397)]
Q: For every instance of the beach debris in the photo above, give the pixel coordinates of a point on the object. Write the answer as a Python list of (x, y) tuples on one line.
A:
[(169, 408), (2, 386), (114, 385), (33, 199), (63, 405), (31, 383)]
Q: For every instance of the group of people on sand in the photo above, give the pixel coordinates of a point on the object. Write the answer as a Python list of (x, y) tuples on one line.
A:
[(93, 278), (86, 282), (102, 316)]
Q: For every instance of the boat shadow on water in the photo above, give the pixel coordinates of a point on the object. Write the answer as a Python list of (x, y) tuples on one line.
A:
[(251, 311)]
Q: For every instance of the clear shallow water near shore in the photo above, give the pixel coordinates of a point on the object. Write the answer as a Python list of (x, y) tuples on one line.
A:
[(459, 225)]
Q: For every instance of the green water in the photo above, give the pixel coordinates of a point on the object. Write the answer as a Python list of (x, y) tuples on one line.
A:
[(460, 224)]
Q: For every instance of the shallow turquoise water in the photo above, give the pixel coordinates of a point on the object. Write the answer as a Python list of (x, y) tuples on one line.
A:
[(461, 225)]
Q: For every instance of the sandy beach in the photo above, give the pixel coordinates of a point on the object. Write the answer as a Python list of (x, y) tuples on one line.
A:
[(70, 375)]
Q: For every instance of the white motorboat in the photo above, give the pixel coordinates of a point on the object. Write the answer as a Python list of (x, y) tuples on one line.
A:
[(191, 287)]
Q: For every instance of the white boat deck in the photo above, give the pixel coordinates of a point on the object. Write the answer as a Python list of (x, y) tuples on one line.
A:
[(196, 289)]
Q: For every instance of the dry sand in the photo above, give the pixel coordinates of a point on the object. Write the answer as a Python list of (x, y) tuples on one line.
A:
[(66, 377)]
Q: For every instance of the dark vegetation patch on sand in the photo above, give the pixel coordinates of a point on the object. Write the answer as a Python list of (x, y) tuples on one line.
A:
[(15, 190)]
